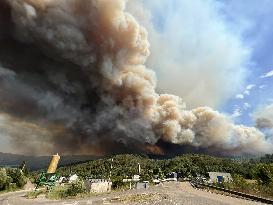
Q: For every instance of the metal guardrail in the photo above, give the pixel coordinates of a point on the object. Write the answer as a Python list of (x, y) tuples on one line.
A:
[(241, 194)]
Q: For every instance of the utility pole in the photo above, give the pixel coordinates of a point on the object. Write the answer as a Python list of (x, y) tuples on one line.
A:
[(111, 167)]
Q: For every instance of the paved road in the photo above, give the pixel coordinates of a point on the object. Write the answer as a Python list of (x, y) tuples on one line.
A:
[(4, 198), (167, 194)]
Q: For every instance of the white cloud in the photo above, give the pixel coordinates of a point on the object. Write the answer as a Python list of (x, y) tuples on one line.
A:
[(267, 75), (247, 92), (250, 86), (236, 113), (239, 96), (262, 86), (246, 106)]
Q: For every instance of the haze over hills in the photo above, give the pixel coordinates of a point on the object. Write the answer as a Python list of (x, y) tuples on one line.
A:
[(40, 162)]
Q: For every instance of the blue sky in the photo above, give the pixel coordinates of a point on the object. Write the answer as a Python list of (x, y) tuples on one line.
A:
[(254, 19)]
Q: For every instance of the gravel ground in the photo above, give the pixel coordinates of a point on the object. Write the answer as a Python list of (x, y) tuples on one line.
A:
[(171, 193)]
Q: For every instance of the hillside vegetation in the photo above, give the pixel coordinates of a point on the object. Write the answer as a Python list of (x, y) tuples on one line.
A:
[(250, 176), (11, 179), (189, 165)]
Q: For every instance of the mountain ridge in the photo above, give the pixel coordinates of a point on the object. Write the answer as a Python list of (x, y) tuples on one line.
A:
[(40, 162)]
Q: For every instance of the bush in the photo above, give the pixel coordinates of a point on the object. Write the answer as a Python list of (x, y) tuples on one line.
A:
[(266, 190), (146, 177), (76, 188), (5, 180), (57, 193), (251, 187), (264, 173), (17, 177), (117, 182), (34, 194), (71, 190), (11, 179), (238, 183)]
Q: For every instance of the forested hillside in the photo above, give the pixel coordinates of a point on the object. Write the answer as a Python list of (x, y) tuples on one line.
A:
[(186, 166)]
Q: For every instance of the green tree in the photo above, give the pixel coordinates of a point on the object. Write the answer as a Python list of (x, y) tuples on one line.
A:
[(5, 180), (17, 177), (264, 173)]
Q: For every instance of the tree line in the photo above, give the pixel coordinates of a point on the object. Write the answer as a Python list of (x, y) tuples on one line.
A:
[(188, 165)]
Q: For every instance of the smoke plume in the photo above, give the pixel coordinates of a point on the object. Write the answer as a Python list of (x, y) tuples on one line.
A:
[(264, 120), (195, 51), (264, 117), (73, 79)]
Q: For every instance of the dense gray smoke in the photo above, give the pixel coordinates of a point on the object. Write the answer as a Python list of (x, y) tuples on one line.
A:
[(73, 80)]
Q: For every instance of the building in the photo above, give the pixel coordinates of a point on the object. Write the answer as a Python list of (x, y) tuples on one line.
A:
[(73, 178), (171, 177), (98, 185), (136, 178), (142, 185), (219, 177)]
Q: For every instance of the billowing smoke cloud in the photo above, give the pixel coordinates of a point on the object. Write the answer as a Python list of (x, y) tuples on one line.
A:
[(263, 117), (73, 80), (194, 50)]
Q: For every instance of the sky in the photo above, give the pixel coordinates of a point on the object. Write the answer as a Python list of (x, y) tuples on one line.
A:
[(215, 53), (254, 20)]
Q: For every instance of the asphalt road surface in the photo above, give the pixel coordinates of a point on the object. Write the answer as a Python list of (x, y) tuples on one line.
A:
[(171, 193)]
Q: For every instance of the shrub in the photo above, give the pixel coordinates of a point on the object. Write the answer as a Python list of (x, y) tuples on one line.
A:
[(5, 180), (34, 194), (71, 190), (17, 177), (266, 190), (57, 193), (238, 183), (264, 173), (75, 188), (146, 177), (117, 182)]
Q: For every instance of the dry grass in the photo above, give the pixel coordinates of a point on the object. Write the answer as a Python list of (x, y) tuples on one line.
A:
[(35, 194)]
